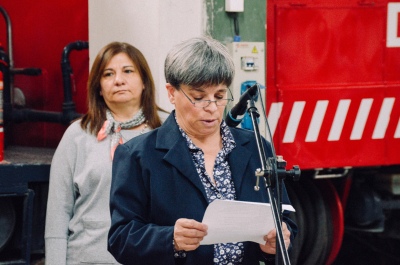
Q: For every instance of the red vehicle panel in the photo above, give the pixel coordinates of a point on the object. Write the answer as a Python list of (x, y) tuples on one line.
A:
[(333, 84)]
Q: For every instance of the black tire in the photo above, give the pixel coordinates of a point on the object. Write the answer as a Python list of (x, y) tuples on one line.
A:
[(316, 220), (7, 221), (308, 234), (298, 218)]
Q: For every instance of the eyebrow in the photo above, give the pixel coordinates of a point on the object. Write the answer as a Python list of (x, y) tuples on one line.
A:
[(123, 67)]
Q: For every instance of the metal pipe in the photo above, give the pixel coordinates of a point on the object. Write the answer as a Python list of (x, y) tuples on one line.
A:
[(69, 110), (68, 113), (9, 36), (21, 115), (66, 67)]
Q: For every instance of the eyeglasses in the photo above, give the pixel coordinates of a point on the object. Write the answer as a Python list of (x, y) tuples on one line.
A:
[(199, 103)]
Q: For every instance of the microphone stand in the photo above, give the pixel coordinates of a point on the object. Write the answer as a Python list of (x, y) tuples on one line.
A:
[(270, 171)]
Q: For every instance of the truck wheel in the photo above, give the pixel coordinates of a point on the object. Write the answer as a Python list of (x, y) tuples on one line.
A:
[(7, 221)]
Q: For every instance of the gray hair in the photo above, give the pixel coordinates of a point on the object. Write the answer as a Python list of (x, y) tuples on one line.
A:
[(197, 62)]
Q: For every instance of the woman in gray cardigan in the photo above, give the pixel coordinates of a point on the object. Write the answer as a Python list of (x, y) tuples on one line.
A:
[(122, 105)]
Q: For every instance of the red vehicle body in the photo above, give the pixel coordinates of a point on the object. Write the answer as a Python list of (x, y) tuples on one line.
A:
[(333, 105)]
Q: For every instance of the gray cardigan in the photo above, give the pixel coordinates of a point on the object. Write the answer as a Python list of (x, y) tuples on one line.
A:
[(78, 216)]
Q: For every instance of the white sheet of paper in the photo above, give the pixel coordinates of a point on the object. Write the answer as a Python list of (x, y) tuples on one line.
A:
[(236, 221)]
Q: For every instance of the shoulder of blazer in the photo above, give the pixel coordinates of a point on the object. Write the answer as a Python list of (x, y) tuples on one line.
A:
[(168, 133), (241, 136)]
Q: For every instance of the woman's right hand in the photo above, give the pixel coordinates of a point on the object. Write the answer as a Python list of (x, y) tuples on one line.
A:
[(188, 233)]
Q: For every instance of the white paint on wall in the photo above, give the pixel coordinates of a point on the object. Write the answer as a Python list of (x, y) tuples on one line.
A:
[(152, 26)]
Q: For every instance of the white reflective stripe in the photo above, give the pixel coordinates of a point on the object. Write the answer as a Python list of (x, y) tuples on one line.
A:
[(393, 10), (316, 121), (361, 119), (383, 119), (273, 116), (293, 123), (338, 120), (397, 132)]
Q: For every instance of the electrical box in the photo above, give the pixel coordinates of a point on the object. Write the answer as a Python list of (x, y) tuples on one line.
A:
[(249, 60), (234, 5)]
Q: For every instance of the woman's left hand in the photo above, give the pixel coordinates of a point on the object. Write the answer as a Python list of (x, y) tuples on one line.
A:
[(271, 239)]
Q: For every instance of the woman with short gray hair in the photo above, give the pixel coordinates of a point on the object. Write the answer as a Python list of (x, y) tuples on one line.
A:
[(163, 181)]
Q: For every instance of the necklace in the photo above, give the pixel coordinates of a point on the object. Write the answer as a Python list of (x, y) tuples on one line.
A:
[(144, 128)]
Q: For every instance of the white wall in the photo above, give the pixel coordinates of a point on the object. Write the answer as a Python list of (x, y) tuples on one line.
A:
[(152, 26)]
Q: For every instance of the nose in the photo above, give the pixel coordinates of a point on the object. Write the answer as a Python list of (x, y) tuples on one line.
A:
[(212, 106), (119, 79)]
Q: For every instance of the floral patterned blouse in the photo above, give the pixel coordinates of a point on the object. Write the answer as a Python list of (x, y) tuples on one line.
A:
[(224, 189)]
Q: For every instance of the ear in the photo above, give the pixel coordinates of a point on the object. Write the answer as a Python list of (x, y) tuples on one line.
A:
[(171, 93)]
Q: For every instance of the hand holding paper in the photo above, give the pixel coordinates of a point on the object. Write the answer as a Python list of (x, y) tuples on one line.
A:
[(237, 221)]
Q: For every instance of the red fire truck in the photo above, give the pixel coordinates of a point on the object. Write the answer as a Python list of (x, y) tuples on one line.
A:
[(333, 105)]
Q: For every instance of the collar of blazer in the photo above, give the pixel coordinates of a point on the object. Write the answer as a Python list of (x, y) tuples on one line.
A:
[(177, 154)]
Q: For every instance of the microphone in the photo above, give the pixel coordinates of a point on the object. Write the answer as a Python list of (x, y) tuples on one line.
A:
[(240, 108)]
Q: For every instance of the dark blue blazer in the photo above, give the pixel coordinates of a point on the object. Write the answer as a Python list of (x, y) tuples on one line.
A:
[(154, 183)]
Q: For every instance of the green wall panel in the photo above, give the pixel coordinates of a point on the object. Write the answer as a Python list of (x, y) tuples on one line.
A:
[(252, 22)]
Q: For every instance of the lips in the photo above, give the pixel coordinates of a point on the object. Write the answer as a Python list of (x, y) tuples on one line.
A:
[(209, 122), (119, 91)]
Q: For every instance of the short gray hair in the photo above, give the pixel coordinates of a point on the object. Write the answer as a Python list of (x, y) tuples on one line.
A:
[(197, 62)]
